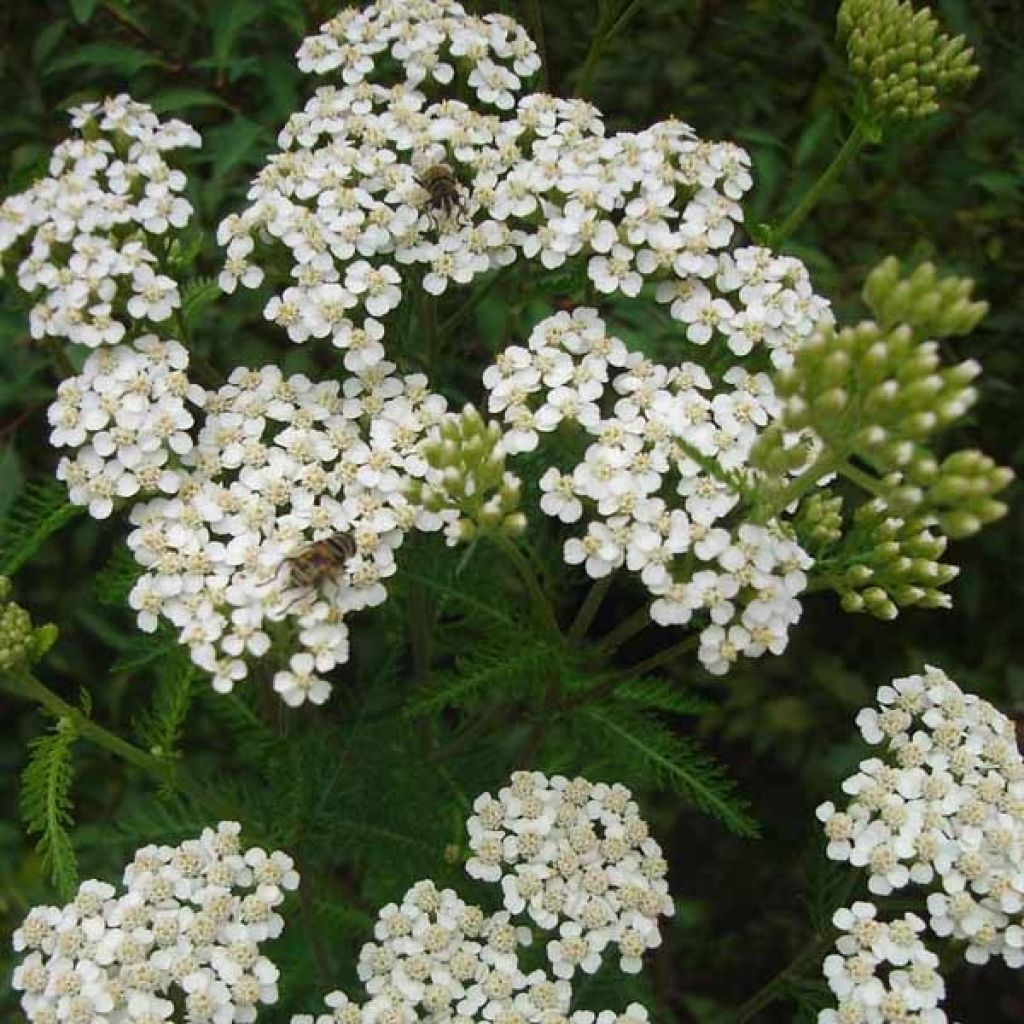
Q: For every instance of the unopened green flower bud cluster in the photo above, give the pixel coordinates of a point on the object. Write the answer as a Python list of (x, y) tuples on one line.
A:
[(886, 562), (819, 522), (933, 306), (20, 642), (878, 396), (902, 59), (871, 392), (870, 399), (469, 487)]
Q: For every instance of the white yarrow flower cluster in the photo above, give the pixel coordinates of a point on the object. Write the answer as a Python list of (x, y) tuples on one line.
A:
[(431, 42), (90, 223), (348, 198), (578, 857), (187, 928), (127, 415), (664, 467), (882, 973), (942, 808), (278, 465), (582, 863)]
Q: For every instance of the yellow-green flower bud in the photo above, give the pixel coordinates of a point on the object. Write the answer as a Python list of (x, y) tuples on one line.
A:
[(934, 306), (21, 643), (885, 562), (902, 61), (819, 521), (467, 483)]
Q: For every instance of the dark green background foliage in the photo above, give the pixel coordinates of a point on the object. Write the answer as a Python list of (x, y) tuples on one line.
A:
[(370, 793)]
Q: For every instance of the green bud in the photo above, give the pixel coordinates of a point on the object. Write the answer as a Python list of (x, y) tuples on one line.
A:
[(934, 306), (21, 643), (902, 61), (469, 476)]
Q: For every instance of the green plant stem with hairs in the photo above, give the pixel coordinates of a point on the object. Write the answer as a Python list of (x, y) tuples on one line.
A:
[(849, 150), (662, 657)]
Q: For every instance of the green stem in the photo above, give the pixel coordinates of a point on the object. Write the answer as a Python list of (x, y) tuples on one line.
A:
[(29, 686), (312, 929), (609, 25), (60, 359), (594, 694), (827, 462), (419, 632), (481, 293), (850, 148), (864, 480), (625, 630), (526, 574), (465, 737), (776, 986), (662, 657), (431, 335), (589, 608)]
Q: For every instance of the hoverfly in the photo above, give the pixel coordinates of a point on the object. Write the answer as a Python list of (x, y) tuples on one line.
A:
[(444, 192), (316, 564), (320, 561)]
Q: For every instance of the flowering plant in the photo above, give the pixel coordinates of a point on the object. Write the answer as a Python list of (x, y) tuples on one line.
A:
[(398, 539)]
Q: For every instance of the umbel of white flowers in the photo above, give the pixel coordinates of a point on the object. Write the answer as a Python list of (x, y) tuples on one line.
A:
[(941, 809), (575, 857), (188, 923), (384, 183)]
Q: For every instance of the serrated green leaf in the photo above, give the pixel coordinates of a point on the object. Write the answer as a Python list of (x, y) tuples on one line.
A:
[(46, 803), (197, 295), (228, 19), (233, 143), (494, 668), (40, 512), (113, 583), (161, 725), (679, 762), (660, 695)]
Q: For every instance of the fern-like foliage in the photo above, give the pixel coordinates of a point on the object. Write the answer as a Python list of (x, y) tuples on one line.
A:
[(647, 693), (160, 726), (46, 803), (197, 295), (509, 662), (641, 748), (114, 581), (41, 510)]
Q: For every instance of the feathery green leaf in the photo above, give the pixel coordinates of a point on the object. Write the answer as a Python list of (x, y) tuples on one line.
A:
[(159, 727), (41, 510), (46, 803), (197, 295), (679, 762)]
